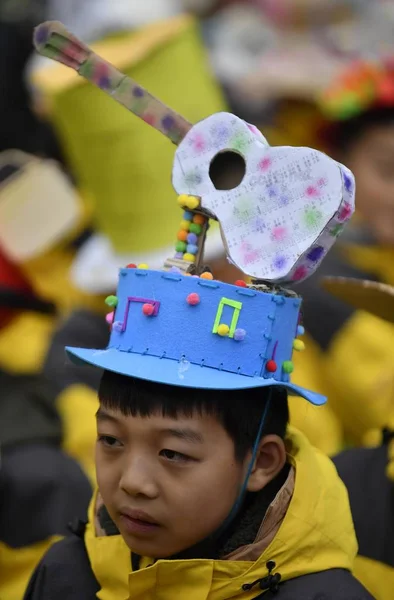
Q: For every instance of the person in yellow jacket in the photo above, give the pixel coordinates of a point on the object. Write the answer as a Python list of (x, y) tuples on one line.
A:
[(368, 473), (42, 489), (355, 348)]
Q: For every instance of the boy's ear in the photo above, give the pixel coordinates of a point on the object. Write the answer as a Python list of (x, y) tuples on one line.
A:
[(270, 460)]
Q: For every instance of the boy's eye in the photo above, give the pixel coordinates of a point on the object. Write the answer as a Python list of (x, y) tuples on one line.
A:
[(174, 456), (109, 441)]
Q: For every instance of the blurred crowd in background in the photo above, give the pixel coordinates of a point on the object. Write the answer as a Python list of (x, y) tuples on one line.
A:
[(85, 189)]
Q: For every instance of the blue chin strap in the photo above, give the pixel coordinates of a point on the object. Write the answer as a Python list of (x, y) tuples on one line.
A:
[(242, 493)]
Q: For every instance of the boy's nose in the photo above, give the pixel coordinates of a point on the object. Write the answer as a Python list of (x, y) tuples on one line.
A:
[(136, 480)]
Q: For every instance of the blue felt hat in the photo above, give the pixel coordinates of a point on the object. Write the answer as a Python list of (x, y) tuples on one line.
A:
[(193, 332)]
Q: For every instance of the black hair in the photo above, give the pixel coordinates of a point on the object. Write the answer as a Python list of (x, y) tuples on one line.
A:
[(343, 135), (239, 411)]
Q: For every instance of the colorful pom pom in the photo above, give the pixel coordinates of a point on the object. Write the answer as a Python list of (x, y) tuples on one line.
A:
[(189, 257), (193, 299), (178, 255), (192, 202), (288, 367), (299, 345), (192, 249), (241, 283), (148, 309), (192, 238), (271, 366), (300, 330), (199, 219), (143, 266), (194, 228), (109, 318), (131, 266), (182, 200), (223, 330), (182, 235), (206, 275), (239, 335), (111, 301), (180, 247), (176, 270), (117, 326), (187, 215), (185, 225)]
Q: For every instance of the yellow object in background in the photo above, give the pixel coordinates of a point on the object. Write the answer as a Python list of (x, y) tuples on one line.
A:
[(122, 163), (17, 566), (320, 424)]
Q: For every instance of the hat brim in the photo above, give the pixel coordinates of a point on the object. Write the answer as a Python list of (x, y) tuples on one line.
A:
[(185, 374)]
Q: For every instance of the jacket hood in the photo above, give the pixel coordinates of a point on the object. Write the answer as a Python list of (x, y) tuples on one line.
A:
[(315, 534)]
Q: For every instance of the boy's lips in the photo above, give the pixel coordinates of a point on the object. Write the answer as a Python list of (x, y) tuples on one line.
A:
[(137, 522)]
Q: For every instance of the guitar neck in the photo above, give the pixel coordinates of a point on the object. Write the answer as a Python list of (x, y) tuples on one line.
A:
[(52, 40)]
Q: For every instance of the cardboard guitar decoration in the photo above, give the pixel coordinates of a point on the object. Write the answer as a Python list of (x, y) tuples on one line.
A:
[(280, 209)]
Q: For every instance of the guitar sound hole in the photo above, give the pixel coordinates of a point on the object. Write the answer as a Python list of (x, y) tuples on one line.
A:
[(227, 170)]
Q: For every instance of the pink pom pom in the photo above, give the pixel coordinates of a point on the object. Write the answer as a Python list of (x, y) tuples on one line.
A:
[(193, 299), (109, 318)]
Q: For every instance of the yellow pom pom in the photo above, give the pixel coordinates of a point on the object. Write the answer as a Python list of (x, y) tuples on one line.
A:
[(182, 200), (223, 330), (192, 202), (184, 225), (143, 266), (189, 257), (298, 345)]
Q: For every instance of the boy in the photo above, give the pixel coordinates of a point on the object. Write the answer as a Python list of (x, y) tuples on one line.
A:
[(170, 465), (202, 493)]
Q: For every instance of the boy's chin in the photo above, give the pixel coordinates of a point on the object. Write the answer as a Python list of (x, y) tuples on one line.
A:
[(152, 548)]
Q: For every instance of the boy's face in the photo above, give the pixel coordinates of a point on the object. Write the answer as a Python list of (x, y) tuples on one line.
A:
[(167, 483), (372, 161)]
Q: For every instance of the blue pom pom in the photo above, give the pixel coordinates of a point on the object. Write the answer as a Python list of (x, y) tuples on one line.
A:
[(192, 238), (300, 330), (187, 215), (192, 249)]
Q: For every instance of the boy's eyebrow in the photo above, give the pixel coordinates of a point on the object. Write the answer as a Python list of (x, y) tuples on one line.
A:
[(102, 415), (188, 435)]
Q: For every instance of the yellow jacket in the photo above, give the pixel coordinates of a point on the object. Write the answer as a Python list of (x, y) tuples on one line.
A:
[(316, 534)]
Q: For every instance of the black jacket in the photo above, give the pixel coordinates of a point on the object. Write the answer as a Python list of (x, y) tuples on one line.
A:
[(41, 488), (371, 496)]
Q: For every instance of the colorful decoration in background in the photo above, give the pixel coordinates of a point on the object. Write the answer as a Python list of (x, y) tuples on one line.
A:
[(363, 85)]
